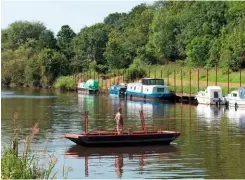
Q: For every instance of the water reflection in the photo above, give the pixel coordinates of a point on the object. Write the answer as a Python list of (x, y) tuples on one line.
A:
[(236, 117), (122, 155), (210, 113), (150, 109)]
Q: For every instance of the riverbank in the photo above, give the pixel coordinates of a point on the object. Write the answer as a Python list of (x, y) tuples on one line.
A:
[(180, 79)]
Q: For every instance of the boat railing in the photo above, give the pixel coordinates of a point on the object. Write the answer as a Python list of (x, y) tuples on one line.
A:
[(130, 129)]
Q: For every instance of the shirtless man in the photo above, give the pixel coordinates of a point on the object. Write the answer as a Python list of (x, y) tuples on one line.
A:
[(119, 120)]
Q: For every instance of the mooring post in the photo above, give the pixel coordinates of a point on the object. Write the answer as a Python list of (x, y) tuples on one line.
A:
[(240, 77), (216, 78), (190, 88), (168, 77), (198, 77), (207, 77), (174, 81), (118, 77), (228, 81), (181, 77)]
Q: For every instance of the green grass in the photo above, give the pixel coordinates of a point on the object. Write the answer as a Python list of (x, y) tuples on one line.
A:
[(169, 70), (194, 89)]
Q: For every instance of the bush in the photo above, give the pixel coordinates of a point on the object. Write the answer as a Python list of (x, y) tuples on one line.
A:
[(136, 71), (65, 83)]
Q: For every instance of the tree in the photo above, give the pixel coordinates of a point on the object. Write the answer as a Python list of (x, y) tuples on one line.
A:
[(198, 49), (47, 40), (115, 20), (52, 65), (19, 32), (89, 45), (64, 38)]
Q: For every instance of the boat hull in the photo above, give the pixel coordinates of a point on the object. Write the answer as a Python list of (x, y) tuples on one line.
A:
[(210, 101), (135, 139), (150, 97), (87, 91)]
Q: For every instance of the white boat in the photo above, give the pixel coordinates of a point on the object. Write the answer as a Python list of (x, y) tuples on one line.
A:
[(212, 95), (236, 98), (149, 88)]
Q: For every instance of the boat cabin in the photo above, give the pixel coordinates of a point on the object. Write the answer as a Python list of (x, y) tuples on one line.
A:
[(242, 92), (213, 92), (81, 85)]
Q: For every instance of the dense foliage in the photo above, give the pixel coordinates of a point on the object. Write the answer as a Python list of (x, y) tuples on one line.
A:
[(203, 34)]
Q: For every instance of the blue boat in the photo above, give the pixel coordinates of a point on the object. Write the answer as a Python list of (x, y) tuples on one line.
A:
[(149, 89), (119, 90)]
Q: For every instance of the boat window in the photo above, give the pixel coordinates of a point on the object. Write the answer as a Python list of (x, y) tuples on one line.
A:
[(153, 81), (242, 93), (160, 89), (216, 95), (234, 95), (134, 88)]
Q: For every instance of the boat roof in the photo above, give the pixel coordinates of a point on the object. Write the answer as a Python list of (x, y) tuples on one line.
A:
[(153, 78), (213, 87)]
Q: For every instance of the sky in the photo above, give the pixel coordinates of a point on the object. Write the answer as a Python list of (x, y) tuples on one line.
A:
[(77, 13)]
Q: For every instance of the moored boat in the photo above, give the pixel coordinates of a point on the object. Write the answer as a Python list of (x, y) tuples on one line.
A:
[(119, 90), (212, 95), (89, 87), (149, 89), (236, 98)]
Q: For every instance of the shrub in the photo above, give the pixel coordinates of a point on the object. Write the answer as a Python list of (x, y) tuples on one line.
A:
[(136, 70), (65, 83)]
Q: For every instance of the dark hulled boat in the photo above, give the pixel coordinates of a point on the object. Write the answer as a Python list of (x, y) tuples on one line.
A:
[(130, 138), (125, 139)]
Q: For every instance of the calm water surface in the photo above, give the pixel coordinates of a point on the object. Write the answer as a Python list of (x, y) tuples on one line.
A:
[(212, 143)]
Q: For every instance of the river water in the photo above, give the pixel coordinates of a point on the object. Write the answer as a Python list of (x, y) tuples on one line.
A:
[(212, 143)]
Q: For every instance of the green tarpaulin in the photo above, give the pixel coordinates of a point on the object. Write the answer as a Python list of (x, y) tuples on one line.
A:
[(92, 84)]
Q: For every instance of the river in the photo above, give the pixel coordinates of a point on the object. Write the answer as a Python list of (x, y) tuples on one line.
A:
[(211, 145)]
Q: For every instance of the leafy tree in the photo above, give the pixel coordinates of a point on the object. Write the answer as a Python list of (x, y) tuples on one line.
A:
[(47, 40), (89, 46), (52, 65), (123, 47), (197, 51), (64, 38), (115, 20), (19, 32)]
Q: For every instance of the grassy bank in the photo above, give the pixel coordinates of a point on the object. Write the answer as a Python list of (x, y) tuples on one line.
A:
[(177, 76), (172, 70)]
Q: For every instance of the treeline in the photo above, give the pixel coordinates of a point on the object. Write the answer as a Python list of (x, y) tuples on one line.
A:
[(197, 34)]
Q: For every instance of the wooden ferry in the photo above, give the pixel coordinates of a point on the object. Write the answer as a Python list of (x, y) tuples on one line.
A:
[(130, 138)]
